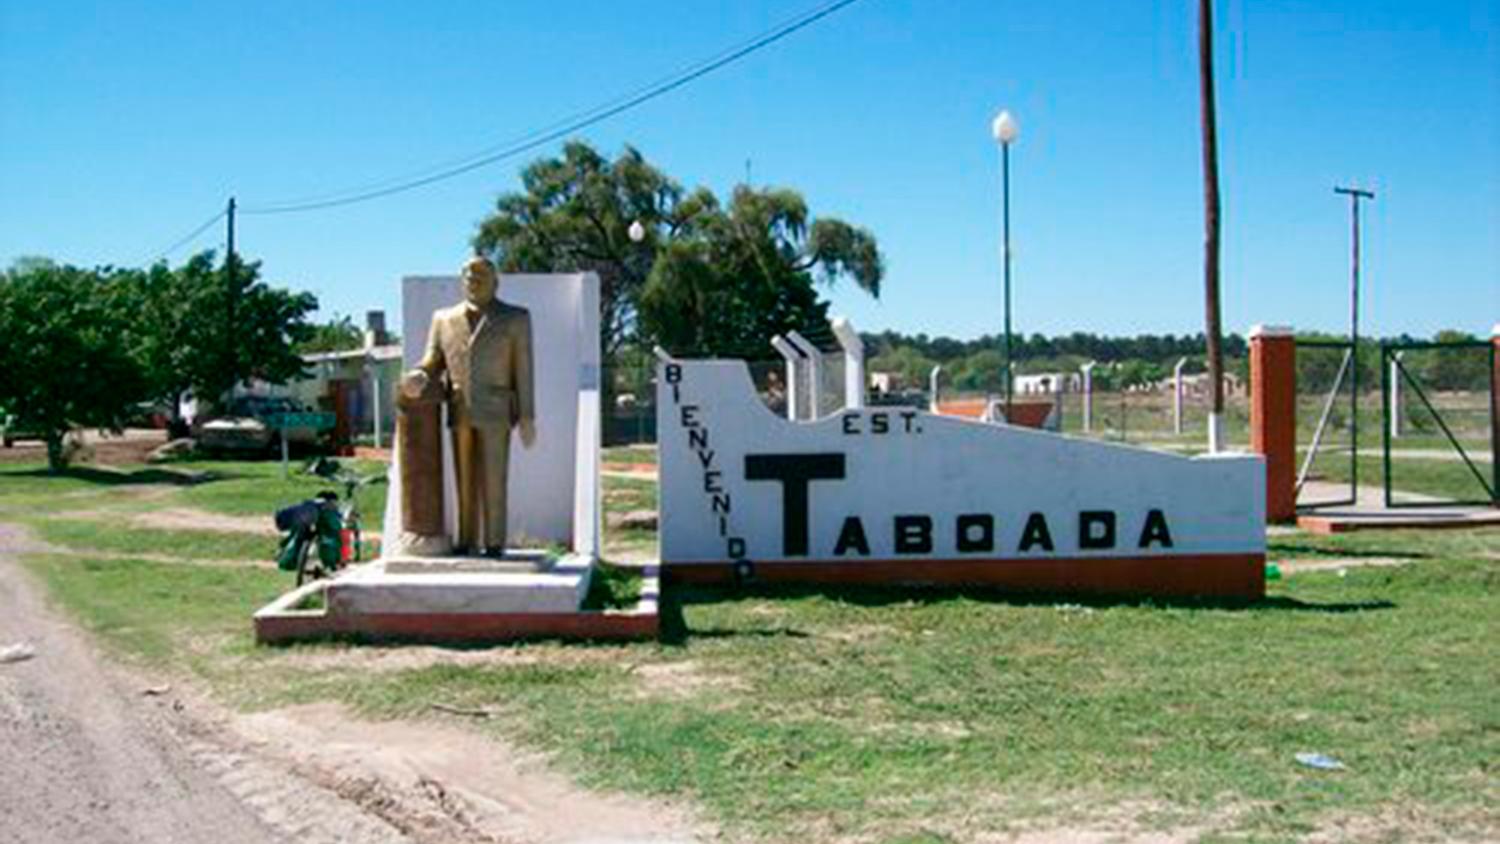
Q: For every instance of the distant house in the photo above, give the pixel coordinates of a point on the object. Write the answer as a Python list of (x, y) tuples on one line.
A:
[(884, 382), (1047, 383), (354, 384)]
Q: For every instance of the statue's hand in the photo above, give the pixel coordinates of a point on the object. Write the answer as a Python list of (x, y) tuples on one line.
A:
[(413, 383), (528, 432)]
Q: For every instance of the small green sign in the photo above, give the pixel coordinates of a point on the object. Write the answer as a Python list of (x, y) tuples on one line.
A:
[(316, 421)]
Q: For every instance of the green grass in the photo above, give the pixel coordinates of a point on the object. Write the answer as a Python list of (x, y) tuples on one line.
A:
[(114, 538), (638, 454), (236, 488), (1445, 479), (626, 494), (613, 587), (622, 495), (902, 715), (258, 489), (160, 612), (28, 488), (810, 714)]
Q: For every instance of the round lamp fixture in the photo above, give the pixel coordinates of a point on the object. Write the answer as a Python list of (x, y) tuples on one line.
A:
[(1005, 128)]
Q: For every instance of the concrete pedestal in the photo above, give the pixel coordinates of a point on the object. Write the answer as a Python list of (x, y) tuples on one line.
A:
[(467, 600), (462, 585)]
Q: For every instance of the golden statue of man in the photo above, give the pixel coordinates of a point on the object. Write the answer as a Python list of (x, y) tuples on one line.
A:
[(483, 346)]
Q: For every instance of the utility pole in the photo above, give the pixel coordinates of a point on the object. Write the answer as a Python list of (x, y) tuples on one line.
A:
[(231, 352), (1355, 195), (1209, 122)]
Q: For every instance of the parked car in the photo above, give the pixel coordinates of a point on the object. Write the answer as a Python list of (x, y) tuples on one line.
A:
[(13, 428), (249, 425)]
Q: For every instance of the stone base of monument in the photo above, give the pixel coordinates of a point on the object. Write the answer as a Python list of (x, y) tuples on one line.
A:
[(454, 600)]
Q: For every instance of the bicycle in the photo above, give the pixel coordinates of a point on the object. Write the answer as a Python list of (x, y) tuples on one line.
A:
[(330, 522)]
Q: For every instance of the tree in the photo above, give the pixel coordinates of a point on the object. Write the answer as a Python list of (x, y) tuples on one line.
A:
[(67, 355), (911, 368), (186, 339), (1459, 367), (709, 269), (730, 279), (574, 214), (339, 334)]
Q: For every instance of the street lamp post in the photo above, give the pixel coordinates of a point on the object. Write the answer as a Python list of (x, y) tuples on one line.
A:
[(1005, 131)]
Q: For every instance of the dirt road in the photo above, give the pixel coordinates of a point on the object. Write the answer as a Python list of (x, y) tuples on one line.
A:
[(90, 756), (92, 751)]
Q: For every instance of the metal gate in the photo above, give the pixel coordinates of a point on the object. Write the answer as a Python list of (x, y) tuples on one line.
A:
[(1326, 370), (1459, 375)]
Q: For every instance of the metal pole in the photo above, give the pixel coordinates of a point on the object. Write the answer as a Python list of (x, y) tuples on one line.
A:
[(1005, 213), (1177, 396), (375, 399), (1088, 396), (1393, 379), (1355, 195), (1390, 381), (231, 349)]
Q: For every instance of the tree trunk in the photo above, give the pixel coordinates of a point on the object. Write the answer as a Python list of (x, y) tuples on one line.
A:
[(1213, 329), (55, 461)]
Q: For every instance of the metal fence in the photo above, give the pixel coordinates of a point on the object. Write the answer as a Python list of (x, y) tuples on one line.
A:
[(630, 399), (1439, 440)]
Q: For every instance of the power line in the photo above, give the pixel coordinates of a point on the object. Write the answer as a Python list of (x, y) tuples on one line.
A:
[(182, 241), (566, 127), (556, 124)]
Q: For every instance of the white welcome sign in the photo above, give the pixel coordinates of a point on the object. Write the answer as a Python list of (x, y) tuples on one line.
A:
[(869, 489)]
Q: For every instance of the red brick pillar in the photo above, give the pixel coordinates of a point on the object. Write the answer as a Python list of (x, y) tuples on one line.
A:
[(1273, 416)]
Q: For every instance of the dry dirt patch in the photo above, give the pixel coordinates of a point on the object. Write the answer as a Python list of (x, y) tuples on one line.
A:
[(680, 680), (1337, 563), (188, 518), (374, 658), (446, 778)]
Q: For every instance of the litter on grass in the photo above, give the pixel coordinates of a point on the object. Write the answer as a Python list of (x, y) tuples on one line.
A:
[(19, 652), (1319, 761)]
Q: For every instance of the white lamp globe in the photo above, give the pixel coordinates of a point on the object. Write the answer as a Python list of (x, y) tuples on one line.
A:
[(1005, 128), (637, 232)]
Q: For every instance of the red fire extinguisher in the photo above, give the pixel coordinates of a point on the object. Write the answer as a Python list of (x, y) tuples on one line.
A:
[(346, 545)]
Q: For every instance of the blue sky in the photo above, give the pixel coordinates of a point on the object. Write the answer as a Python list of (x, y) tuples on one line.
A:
[(124, 124)]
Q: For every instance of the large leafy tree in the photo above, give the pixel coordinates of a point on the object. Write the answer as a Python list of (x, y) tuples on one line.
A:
[(703, 278), (205, 331), (730, 278), (66, 355)]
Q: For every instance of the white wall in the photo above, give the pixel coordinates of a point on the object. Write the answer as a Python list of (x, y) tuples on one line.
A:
[(927, 465), (544, 481)]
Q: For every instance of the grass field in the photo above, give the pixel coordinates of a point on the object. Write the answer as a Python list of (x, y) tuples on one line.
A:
[(1411, 478), (883, 715)]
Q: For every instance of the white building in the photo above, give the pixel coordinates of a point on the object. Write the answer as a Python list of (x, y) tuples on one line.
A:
[(1047, 383)]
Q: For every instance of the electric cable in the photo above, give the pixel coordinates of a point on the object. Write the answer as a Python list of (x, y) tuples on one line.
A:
[(182, 241), (559, 129)]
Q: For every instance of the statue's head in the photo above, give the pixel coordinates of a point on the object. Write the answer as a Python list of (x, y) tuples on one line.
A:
[(480, 281)]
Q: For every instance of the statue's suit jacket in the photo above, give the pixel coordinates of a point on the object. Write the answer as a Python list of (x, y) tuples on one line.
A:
[(488, 366)]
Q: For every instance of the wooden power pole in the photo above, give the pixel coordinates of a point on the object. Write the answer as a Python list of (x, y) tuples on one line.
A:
[(1213, 329)]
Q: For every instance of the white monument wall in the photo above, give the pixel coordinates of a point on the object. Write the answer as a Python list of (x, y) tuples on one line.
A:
[(933, 475)]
